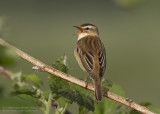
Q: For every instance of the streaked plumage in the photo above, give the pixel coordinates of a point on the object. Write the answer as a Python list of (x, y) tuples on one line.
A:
[(91, 56)]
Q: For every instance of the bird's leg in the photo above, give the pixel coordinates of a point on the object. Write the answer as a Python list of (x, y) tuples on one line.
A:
[(86, 81)]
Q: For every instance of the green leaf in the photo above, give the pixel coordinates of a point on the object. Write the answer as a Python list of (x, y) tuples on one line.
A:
[(134, 112), (57, 84), (69, 92), (154, 109), (106, 85), (108, 106), (46, 94), (80, 99), (13, 101), (28, 90), (81, 90), (145, 104), (32, 78), (82, 110), (61, 64), (16, 77)]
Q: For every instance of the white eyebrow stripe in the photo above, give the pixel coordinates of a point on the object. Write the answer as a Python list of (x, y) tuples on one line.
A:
[(88, 26)]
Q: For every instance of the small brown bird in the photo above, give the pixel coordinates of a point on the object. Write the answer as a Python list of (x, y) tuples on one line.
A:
[(91, 56)]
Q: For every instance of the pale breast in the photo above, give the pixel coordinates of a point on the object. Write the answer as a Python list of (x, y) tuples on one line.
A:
[(78, 59)]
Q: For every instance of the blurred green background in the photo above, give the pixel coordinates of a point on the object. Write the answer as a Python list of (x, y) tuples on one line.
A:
[(129, 29)]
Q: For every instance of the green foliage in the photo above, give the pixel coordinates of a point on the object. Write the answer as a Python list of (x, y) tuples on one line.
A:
[(69, 92), (23, 89), (33, 79), (26, 88), (83, 110), (108, 106)]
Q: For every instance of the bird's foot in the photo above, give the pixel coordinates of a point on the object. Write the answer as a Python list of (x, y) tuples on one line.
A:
[(86, 81)]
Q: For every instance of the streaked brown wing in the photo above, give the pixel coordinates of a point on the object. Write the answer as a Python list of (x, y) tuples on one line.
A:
[(87, 61), (102, 61), (91, 51)]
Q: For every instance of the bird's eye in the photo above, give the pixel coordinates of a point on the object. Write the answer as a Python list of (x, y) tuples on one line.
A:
[(87, 28)]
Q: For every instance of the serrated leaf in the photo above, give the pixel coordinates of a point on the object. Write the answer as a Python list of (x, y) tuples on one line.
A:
[(81, 90), (57, 84), (32, 78), (69, 92), (80, 99), (108, 106)]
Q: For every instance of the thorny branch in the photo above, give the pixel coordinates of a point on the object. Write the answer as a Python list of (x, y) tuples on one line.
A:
[(126, 101)]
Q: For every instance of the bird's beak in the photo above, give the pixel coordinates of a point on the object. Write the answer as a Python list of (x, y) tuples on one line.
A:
[(81, 30)]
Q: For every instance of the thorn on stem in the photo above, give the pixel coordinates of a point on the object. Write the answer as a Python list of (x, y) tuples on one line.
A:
[(129, 100), (38, 68)]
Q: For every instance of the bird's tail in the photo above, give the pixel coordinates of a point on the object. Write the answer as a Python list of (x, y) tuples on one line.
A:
[(98, 90)]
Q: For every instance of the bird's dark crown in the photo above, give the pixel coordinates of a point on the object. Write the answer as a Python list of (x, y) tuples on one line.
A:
[(86, 24)]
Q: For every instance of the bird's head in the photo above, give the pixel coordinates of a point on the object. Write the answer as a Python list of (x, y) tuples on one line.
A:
[(87, 30)]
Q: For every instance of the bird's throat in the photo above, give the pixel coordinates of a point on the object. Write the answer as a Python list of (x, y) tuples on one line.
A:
[(82, 35)]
